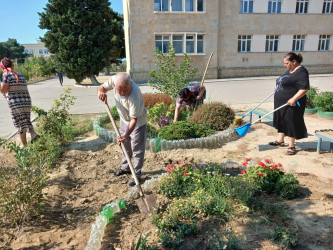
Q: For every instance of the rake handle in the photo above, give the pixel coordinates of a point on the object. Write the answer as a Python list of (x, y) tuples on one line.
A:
[(270, 113), (258, 104), (204, 75)]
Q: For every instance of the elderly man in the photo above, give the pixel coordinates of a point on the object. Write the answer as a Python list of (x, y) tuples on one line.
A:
[(133, 119)]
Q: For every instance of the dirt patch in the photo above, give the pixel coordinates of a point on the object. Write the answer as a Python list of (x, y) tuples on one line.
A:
[(84, 182)]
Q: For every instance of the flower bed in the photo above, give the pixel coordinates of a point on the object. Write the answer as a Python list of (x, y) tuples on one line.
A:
[(157, 144)]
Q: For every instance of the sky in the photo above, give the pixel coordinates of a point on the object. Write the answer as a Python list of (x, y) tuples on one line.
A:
[(21, 21)]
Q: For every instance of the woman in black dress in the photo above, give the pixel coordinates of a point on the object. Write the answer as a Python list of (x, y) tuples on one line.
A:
[(290, 87)]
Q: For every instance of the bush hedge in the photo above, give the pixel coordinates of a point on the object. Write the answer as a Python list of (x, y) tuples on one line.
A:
[(150, 99), (215, 115)]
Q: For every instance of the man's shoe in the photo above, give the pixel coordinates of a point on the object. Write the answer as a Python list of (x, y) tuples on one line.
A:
[(122, 172), (132, 182)]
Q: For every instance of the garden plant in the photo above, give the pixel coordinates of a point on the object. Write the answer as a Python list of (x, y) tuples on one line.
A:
[(200, 191)]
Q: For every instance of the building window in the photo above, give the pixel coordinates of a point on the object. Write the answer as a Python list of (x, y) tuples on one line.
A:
[(40, 51), (31, 51), (46, 52), (193, 43), (302, 6), (200, 5), (189, 5), (327, 7), (246, 6), (177, 43), (162, 43), (244, 43), (177, 5), (272, 43), (189, 43), (274, 6), (324, 42), (161, 5), (298, 42), (200, 44), (26, 51)]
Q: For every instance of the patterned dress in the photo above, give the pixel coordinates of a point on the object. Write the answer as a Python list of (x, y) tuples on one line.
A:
[(19, 102)]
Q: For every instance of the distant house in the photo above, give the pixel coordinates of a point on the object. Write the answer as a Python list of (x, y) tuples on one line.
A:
[(36, 49), (248, 37)]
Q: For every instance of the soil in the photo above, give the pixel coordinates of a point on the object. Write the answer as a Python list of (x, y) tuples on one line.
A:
[(84, 182)]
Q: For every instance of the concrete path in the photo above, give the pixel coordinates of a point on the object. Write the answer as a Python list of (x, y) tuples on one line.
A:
[(236, 91)]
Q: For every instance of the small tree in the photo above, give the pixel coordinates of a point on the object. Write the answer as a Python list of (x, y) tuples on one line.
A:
[(170, 78)]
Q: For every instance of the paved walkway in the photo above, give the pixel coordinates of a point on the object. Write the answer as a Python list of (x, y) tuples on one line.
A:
[(234, 92)]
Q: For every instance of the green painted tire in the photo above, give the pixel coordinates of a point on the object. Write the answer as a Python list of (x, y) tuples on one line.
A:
[(310, 111), (325, 115)]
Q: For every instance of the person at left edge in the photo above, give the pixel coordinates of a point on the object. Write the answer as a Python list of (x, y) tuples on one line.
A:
[(14, 88), (133, 119)]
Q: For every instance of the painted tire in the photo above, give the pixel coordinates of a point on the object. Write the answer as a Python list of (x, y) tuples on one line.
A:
[(311, 111), (325, 115)]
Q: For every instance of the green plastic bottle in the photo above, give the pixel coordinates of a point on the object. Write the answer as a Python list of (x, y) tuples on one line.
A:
[(107, 212), (121, 204)]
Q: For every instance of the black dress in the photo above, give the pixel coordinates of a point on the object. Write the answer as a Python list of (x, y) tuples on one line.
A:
[(289, 120)]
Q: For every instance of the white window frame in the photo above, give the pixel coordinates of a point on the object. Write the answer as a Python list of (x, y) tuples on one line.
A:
[(31, 51), (245, 6), (184, 34), (244, 41), (272, 43), (192, 40), (327, 7), (298, 43), (275, 6), (164, 50), (302, 6), (324, 43), (169, 6)]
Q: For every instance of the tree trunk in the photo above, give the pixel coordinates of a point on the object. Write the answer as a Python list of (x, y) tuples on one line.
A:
[(94, 80)]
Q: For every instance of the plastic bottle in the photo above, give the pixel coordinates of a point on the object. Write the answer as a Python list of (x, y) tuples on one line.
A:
[(114, 137), (107, 212), (121, 204), (115, 207), (164, 145), (292, 165), (147, 144)]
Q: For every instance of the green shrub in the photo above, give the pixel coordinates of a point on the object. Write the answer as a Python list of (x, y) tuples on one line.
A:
[(324, 101), (171, 77), (151, 131), (154, 113), (287, 186), (214, 115), (21, 189), (310, 95), (150, 99), (57, 122), (184, 130), (286, 237)]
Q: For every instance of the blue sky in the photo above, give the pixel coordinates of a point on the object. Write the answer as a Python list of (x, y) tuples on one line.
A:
[(21, 19)]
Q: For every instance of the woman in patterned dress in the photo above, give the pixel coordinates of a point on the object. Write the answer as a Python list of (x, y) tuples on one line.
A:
[(14, 88)]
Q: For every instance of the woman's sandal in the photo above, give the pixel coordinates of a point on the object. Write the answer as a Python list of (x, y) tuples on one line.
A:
[(291, 151), (276, 143), (35, 139)]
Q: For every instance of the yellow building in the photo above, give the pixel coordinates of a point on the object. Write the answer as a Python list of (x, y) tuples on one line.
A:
[(248, 37), (36, 49)]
